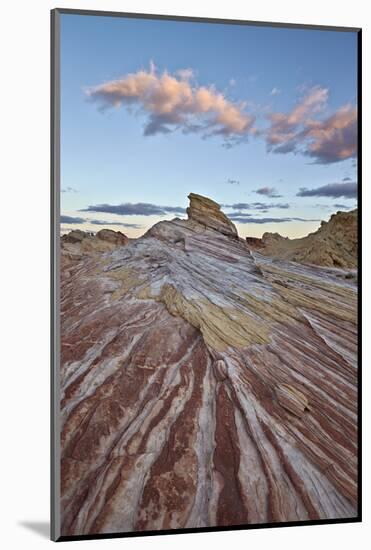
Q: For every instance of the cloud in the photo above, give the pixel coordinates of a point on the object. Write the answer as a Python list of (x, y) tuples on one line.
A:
[(330, 140), (346, 179), (105, 222), (333, 139), (77, 221), (69, 190), (70, 219), (256, 206), (239, 219), (172, 102), (282, 135), (268, 192), (185, 74), (175, 102), (334, 190), (135, 209), (343, 207)]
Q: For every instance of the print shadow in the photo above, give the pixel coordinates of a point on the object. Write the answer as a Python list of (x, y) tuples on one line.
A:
[(42, 528)]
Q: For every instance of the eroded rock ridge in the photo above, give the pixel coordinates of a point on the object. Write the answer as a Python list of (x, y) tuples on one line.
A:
[(334, 244), (205, 384)]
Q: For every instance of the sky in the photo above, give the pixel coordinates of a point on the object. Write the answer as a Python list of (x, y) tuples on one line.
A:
[(263, 120)]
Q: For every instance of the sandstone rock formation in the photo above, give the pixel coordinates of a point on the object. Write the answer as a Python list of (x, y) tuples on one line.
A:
[(78, 244), (74, 236), (334, 244), (205, 384), (114, 237), (208, 213), (254, 242)]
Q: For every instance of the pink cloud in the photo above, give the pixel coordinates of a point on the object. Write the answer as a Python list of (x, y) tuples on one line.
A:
[(174, 102), (330, 140), (334, 138), (171, 102)]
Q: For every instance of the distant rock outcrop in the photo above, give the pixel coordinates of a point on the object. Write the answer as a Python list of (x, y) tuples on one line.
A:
[(114, 237), (254, 242), (334, 244), (74, 236), (76, 244), (204, 384)]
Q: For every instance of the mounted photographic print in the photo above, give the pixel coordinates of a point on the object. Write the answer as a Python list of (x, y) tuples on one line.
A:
[(205, 286)]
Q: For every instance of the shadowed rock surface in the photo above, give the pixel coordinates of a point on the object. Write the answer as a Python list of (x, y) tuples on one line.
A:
[(205, 384), (113, 237), (334, 244)]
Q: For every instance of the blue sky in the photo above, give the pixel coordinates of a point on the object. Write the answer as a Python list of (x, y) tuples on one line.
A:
[(280, 117)]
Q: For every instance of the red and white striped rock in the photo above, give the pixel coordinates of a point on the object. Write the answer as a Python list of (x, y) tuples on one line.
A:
[(204, 384)]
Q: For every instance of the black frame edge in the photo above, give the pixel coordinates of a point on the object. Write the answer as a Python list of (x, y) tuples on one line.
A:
[(54, 272), (196, 19), (216, 529), (359, 270), (52, 275)]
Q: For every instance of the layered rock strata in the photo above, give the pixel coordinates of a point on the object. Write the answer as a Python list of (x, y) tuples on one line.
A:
[(208, 213), (205, 384), (78, 244)]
